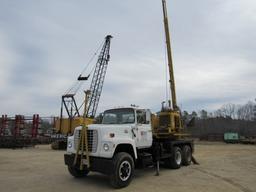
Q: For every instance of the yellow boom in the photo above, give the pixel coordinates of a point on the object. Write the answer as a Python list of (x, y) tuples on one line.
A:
[(169, 53)]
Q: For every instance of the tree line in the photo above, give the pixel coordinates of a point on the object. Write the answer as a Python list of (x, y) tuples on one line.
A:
[(245, 112), (229, 117)]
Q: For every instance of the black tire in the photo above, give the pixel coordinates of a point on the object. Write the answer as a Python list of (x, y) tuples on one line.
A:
[(77, 173), (186, 155), (123, 170), (175, 161)]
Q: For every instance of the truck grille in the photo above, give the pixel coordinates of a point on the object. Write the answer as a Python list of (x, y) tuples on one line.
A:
[(92, 138)]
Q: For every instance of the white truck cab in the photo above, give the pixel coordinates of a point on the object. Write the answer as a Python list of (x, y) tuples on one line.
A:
[(113, 144), (129, 126)]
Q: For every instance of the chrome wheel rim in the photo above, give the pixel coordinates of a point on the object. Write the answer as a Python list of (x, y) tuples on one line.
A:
[(125, 170), (178, 157)]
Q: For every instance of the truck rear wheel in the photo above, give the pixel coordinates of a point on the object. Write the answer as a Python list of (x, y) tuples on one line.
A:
[(174, 162), (75, 172), (186, 155), (123, 170)]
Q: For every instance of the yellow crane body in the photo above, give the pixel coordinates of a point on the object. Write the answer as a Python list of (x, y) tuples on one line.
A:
[(168, 122), (68, 125)]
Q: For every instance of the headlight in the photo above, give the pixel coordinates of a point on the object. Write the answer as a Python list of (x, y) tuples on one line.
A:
[(69, 144), (106, 147)]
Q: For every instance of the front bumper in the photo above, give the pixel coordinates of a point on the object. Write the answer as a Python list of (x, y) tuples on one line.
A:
[(97, 164)]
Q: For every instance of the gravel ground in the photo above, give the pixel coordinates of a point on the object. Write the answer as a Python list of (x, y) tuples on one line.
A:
[(223, 167)]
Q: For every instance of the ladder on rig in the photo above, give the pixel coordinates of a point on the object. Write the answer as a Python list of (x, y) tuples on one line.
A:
[(82, 149)]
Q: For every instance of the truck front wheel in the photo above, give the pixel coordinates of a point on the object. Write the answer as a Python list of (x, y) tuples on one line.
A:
[(75, 172), (123, 170), (174, 162)]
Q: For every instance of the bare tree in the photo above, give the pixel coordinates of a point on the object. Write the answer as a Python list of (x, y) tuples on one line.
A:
[(246, 112), (194, 114), (218, 113), (185, 115), (229, 110), (254, 112), (203, 114)]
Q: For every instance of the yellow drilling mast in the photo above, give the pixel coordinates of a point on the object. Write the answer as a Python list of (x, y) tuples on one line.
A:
[(169, 119), (169, 54)]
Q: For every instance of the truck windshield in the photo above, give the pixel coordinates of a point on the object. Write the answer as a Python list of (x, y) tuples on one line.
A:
[(119, 116)]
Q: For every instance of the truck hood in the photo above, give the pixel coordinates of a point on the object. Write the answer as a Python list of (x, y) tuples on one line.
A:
[(119, 130), (110, 126)]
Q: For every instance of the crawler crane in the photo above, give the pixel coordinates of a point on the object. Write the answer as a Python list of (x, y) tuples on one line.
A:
[(65, 126)]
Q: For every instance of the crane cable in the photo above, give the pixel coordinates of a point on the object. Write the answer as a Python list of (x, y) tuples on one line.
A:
[(77, 84), (80, 82), (96, 52), (80, 86)]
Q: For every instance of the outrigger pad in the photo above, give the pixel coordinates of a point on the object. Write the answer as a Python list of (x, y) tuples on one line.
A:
[(194, 161)]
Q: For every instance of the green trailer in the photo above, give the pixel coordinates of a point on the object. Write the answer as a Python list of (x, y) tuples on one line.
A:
[(231, 137)]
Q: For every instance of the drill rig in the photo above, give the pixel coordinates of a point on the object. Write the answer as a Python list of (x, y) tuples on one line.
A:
[(168, 123), (65, 126), (131, 137)]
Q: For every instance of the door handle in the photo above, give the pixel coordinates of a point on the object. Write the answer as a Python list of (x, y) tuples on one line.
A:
[(133, 132)]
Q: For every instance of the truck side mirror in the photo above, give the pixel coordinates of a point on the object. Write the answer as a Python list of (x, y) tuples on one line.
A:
[(148, 116)]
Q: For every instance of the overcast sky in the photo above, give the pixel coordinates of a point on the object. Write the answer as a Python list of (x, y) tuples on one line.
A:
[(44, 45)]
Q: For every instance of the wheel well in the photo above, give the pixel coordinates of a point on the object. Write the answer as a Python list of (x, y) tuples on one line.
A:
[(125, 148), (169, 145), (183, 144)]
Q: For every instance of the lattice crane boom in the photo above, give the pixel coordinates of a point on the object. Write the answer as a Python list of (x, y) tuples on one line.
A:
[(98, 78)]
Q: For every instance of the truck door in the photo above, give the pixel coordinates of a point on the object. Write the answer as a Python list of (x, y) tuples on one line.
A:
[(143, 129)]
